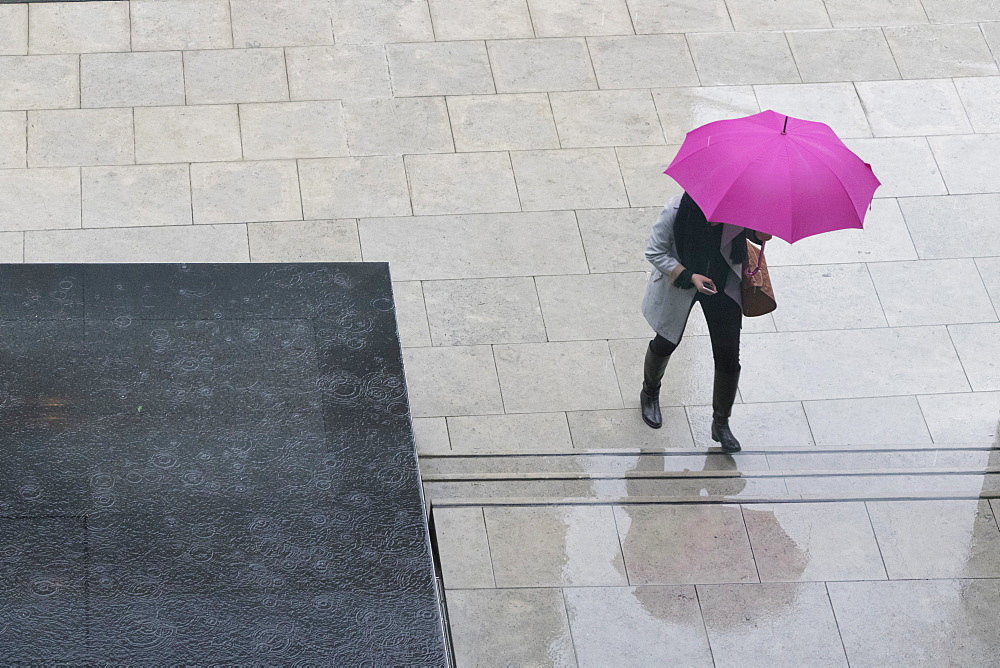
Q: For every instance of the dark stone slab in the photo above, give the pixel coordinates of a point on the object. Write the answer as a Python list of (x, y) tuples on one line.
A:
[(209, 464)]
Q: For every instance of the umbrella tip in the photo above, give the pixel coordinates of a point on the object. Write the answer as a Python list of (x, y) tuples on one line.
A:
[(785, 128)]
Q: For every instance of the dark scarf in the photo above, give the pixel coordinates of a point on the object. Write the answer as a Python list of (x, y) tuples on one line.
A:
[(698, 243)]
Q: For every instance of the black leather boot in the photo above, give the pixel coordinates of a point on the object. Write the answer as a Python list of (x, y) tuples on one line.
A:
[(649, 397), (723, 396)]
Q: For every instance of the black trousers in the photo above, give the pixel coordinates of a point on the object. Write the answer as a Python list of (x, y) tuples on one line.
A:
[(725, 318)]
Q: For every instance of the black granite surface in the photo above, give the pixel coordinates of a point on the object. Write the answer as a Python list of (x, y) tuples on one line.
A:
[(209, 464)]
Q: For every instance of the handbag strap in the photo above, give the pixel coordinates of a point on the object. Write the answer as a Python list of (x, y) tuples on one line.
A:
[(760, 261)]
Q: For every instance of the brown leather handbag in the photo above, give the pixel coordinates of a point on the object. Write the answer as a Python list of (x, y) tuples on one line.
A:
[(756, 288)]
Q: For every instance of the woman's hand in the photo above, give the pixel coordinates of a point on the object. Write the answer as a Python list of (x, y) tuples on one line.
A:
[(703, 284), (762, 236)]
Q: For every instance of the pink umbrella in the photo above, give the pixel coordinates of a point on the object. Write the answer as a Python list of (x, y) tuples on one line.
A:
[(775, 174)]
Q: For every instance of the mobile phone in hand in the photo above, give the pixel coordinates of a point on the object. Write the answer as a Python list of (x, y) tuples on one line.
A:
[(710, 286)]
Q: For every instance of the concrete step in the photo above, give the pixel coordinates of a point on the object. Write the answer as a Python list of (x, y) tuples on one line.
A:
[(864, 458), (737, 485)]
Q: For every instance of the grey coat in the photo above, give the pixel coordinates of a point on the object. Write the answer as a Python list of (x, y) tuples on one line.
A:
[(665, 306)]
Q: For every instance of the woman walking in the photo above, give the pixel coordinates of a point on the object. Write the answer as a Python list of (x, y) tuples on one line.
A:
[(695, 260)]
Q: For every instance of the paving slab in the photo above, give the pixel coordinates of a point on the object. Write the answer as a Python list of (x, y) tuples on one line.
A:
[(187, 134), (263, 23), (39, 82), (842, 55), (459, 183), (290, 130), (971, 417), (642, 170), (646, 61), (660, 16), (70, 27), (871, 421), (39, 199), (855, 13), (133, 196), (430, 435), (595, 306), (235, 75), (73, 137), (975, 345), (336, 72), (387, 126), (933, 238), (440, 68), (245, 192), (411, 315), (682, 109), (742, 58), (464, 548), (758, 426), (169, 243), (624, 428), (382, 21), (956, 295), (637, 626), (981, 97), (353, 187), (833, 296), (524, 432), (905, 165), (967, 162), (175, 25), (568, 179), (911, 108), (131, 79), (480, 19), (961, 11), (13, 139), (308, 241), (574, 18), (754, 15), (456, 380), (14, 30), (541, 65), (835, 104), (940, 51), (502, 122), (613, 238), (484, 310)]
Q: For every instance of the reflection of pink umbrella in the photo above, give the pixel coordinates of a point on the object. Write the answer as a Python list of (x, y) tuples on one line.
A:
[(775, 174)]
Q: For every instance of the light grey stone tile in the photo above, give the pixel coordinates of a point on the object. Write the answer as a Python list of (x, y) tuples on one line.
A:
[(969, 162), (131, 79), (39, 82), (72, 137), (546, 377), (989, 270), (235, 75), (615, 239), (337, 72), (937, 539), (715, 548), (411, 315), (476, 246), (174, 25), (12, 247), (389, 126), (13, 139), (354, 187), (439, 68), (430, 436), (905, 165), (637, 626), (457, 380), (842, 55), (593, 306), (258, 23), (991, 30), (173, 243), (464, 548), (854, 13), (771, 624), (646, 61), (309, 241), (642, 169), (556, 546), (245, 192), (910, 108), (483, 310), (755, 15), (513, 627), (932, 292), (912, 623), (883, 239), (480, 19), (971, 417), (502, 122), (688, 378), (273, 131), (39, 199), (758, 426), (835, 104), (135, 196), (683, 109), (871, 421), (662, 16), (931, 222), (606, 118), (541, 65), (569, 179), (851, 363), (742, 58), (381, 21), (446, 183), (69, 27), (14, 30), (575, 18), (187, 134), (624, 428), (981, 97), (541, 432), (809, 542), (960, 11), (835, 296), (976, 346), (940, 51)]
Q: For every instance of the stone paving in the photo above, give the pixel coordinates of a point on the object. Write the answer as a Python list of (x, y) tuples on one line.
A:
[(505, 157)]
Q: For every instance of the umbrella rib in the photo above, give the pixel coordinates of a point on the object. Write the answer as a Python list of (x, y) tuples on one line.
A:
[(822, 162)]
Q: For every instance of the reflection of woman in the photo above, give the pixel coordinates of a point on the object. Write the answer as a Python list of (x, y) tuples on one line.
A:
[(695, 260)]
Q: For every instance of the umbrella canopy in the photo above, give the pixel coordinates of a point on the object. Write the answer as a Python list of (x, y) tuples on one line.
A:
[(775, 174)]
